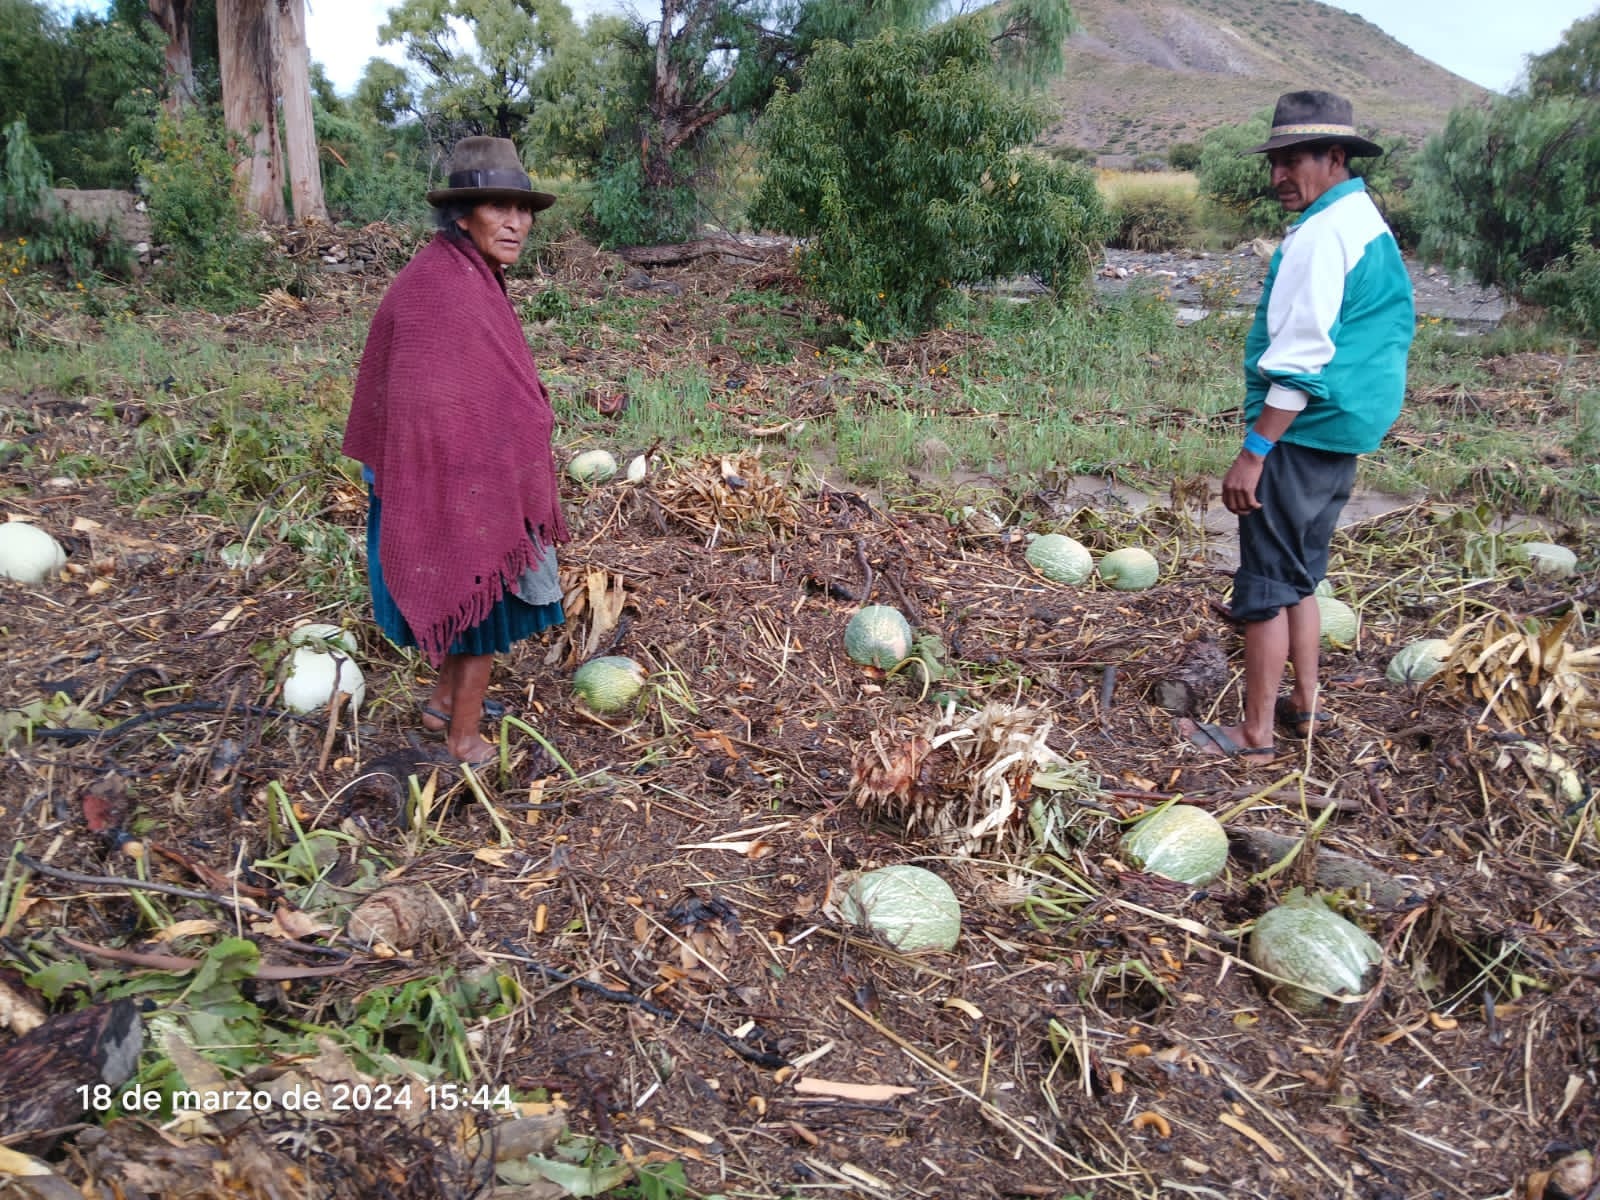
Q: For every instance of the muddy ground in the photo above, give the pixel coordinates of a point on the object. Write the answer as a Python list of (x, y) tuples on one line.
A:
[(1109, 1043)]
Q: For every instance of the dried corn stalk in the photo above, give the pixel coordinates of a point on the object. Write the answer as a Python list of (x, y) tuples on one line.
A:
[(729, 493), (965, 784), (1524, 671)]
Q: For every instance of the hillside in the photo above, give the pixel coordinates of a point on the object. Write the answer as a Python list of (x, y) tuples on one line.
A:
[(1143, 74)]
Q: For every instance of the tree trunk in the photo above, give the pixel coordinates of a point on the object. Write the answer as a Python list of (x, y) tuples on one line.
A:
[(299, 130), (175, 17), (47, 1075), (245, 32)]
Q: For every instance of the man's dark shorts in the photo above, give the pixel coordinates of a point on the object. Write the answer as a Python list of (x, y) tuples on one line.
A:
[(1283, 545)]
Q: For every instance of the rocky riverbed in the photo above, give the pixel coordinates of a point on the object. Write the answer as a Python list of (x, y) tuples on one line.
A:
[(1199, 282)]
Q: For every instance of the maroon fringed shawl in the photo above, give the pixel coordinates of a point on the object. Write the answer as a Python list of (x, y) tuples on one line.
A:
[(451, 416)]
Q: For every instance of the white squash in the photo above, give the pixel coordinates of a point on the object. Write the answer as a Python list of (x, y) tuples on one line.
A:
[(314, 675), (878, 636), (321, 636), (1131, 569), (1422, 659), (1059, 558), (608, 684), (1179, 842), (908, 907), (1547, 558), (236, 557), (638, 468), (1313, 951), (28, 554), (1339, 624), (592, 466)]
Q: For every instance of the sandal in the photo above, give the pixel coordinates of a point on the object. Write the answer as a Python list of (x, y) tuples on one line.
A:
[(1219, 743), (1302, 724), (492, 709)]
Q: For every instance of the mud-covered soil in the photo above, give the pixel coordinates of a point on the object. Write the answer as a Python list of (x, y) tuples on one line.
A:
[(1109, 1042)]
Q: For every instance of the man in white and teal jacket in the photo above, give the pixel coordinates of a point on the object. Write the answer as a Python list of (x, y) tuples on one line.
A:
[(1325, 372)]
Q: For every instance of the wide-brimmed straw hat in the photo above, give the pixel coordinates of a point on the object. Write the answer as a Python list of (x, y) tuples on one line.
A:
[(1315, 117), (487, 168)]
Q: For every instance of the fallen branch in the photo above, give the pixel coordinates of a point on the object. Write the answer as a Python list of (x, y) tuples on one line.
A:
[(1256, 848), (179, 963)]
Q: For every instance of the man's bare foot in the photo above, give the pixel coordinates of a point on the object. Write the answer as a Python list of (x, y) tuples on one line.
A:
[(1231, 741)]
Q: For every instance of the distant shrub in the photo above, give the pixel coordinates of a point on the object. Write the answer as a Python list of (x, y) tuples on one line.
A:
[(1153, 217), (1183, 156), (1150, 163), (211, 255), (50, 235), (1570, 289), (1072, 155)]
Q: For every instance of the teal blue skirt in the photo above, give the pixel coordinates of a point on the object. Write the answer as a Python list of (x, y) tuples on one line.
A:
[(509, 621)]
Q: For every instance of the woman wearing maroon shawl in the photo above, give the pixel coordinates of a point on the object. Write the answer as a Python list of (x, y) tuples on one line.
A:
[(453, 428)]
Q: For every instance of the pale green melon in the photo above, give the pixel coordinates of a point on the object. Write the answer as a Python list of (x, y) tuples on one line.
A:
[(1323, 588), (908, 907), (1547, 559), (1339, 625), (1059, 558), (592, 466), (1420, 660), (878, 636), (1131, 569), (1179, 842), (609, 683), (1313, 950)]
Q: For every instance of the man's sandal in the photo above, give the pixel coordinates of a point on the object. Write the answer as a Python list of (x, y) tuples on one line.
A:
[(1218, 743), (1299, 723)]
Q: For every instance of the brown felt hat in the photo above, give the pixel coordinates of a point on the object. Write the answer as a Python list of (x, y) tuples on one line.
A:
[(1315, 117), (487, 168)]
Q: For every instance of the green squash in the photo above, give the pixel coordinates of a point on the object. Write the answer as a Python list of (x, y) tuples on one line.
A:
[(1131, 569), (1339, 624), (878, 636), (1312, 950), (1420, 660), (908, 907), (1179, 842), (592, 466), (1059, 558), (608, 684)]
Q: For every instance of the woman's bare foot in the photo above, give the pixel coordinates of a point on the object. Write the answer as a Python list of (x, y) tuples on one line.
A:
[(475, 751)]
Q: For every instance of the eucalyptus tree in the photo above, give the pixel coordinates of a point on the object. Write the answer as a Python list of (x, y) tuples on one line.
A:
[(478, 58)]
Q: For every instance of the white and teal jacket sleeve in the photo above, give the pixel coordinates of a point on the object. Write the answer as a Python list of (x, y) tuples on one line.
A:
[(1333, 329)]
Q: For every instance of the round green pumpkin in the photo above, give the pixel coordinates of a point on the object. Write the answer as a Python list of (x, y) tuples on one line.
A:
[(1131, 569), (908, 907), (608, 684), (592, 466), (1314, 954), (1339, 623), (1179, 842), (1059, 558), (878, 636), (1422, 659)]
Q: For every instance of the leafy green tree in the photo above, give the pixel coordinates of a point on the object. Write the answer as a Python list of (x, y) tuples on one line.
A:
[(1573, 67), (487, 87), (87, 88), (1506, 191), (384, 94), (901, 160)]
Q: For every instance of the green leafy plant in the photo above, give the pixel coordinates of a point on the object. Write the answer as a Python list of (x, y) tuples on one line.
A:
[(50, 236), (210, 254), (1153, 217), (901, 161)]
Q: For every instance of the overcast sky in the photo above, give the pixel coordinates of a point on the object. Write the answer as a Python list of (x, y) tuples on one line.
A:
[(1484, 40)]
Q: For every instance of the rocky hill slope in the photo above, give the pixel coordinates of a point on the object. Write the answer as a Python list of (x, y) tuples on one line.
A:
[(1142, 75)]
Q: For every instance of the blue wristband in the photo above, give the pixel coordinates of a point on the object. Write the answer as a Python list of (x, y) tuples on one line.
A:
[(1258, 445)]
